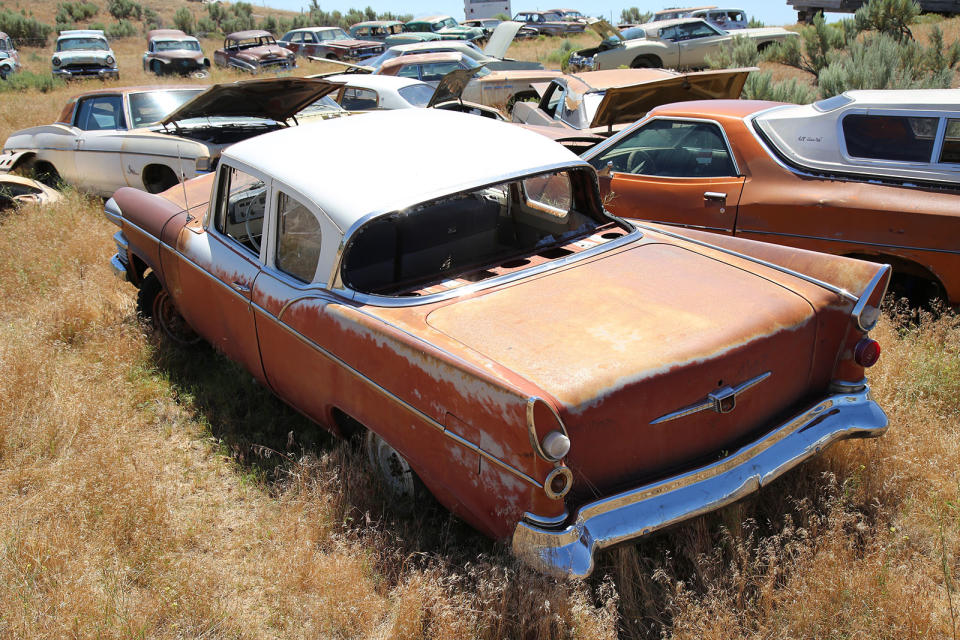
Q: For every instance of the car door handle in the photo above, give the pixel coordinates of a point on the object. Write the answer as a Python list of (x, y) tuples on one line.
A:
[(240, 287), (714, 195)]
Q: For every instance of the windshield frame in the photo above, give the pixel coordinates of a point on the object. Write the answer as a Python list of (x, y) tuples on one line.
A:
[(102, 44)]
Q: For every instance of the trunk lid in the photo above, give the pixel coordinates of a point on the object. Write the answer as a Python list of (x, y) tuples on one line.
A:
[(626, 343)]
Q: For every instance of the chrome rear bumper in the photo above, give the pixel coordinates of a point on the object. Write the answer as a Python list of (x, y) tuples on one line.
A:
[(646, 509)]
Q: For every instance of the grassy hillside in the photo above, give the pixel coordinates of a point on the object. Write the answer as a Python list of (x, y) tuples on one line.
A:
[(153, 491)]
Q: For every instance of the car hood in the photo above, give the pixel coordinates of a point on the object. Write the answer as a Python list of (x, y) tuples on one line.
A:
[(80, 57), (274, 98), (350, 43), (626, 104), (501, 38), (179, 54), (606, 30), (265, 51), (452, 85)]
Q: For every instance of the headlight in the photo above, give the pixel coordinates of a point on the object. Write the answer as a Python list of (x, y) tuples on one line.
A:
[(55, 61), (110, 60)]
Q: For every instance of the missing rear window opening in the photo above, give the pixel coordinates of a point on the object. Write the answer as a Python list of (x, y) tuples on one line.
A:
[(444, 238)]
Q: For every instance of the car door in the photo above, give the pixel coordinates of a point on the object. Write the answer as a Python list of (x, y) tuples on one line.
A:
[(219, 268), (290, 302), (294, 43), (673, 170), (697, 40), (102, 124)]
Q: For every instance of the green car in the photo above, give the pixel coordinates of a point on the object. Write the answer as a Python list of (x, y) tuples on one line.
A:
[(444, 26)]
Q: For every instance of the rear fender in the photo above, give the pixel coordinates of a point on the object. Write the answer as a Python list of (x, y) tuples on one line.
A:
[(143, 217)]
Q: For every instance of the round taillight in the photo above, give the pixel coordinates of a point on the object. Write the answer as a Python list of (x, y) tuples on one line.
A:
[(867, 352), (558, 483)]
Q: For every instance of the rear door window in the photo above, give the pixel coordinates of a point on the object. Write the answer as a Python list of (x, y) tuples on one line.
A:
[(298, 239), (889, 137), (101, 113)]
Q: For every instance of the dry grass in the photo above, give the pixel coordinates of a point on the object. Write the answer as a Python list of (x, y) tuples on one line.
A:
[(150, 491)]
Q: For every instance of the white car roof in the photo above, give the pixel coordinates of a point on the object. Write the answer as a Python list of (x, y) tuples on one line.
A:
[(408, 168), (440, 45), (811, 135)]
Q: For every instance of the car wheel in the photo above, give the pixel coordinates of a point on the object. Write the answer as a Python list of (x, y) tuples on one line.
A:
[(155, 304), (47, 174), (646, 62), (156, 67), (393, 468), (330, 56)]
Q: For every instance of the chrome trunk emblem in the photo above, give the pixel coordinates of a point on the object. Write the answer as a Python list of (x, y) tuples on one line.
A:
[(723, 400)]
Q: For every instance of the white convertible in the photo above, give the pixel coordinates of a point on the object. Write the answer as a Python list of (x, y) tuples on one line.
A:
[(668, 44)]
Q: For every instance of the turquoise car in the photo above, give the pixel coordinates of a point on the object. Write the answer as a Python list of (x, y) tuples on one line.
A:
[(444, 26)]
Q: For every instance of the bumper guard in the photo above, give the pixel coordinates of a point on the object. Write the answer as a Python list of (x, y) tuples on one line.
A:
[(648, 508)]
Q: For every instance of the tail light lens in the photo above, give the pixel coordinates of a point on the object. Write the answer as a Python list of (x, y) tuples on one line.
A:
[(867, 352)]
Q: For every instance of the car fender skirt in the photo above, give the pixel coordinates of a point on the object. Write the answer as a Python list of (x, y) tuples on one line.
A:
[(643, 510)]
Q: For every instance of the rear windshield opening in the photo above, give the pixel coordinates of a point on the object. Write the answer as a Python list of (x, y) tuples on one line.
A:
[(474, 235)]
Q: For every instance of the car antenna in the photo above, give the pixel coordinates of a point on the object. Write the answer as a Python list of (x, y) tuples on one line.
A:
[(183, 179)]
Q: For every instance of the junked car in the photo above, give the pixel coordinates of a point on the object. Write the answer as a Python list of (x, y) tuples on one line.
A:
[(152, 138), (367, 92), (491, 88), (380, 30), (331, 43), (869, 174), (173, 51), (445, 27), (552, 374), (668, 44), (548, 23), (9, 57), (677, 12), (726, 19), (16, 191), (580, 110), (254, 51), (84, 53)]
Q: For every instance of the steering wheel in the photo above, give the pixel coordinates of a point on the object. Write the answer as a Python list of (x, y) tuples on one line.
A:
[(641, 162)]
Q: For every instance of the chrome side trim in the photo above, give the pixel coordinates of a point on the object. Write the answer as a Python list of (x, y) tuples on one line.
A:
[(854, 242), (403, 403), (641, 511), (861, 305), (843, 293), (712, 401), (547, 522), (112, 211), (121, 241)]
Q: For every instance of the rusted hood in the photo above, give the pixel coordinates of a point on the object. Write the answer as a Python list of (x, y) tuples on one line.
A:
[(628, 103), (452, 85), (274, 98), (584, 332)]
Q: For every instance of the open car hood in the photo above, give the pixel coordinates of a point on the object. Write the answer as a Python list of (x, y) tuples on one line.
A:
[(350, 67), (452, 85), (626, 104), (501, 38), (274, 98), (605, 29)]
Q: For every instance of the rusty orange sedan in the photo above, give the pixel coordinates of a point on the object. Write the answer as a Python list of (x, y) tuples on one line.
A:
[(554, 375), (867, 174)]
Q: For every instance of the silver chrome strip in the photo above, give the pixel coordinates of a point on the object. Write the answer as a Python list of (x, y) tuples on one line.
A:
[(692, 226), (112, 211), (854, 242), (121, 241), (709, 402), (861, 305), (119, 269), (547, 522), (648, 508), (820, 283), (403, 403), (843, 386)]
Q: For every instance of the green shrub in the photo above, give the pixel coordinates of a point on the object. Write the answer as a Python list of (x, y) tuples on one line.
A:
[(633, 14), (29, 81), (26, 32), (272, 25), (183, 20), (206, 25), (755, 24), (892, 17), (121, 29), (124, 9), (151, 19), (760, 86), (75, 11), (739, 52), (501, 16)]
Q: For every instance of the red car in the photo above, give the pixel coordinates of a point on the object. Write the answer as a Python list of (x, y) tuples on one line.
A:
[(253, 51), (331, 43), (552, 374)]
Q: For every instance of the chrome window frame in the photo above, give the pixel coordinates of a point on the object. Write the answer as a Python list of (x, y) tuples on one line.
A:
[(600, 148)]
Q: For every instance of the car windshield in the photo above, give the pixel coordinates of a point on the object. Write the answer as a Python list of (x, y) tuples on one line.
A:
[(150, 107), (417, 94), (82, 44), (633, 33), (474, 235), (176, 45), (590, 103), (449, 23), (324, 104)]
